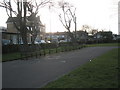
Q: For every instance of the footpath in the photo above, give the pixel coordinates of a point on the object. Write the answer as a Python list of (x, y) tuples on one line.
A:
[(36, 72)]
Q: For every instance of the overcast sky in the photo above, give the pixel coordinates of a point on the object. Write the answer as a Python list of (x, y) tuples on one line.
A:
[(99, 14)]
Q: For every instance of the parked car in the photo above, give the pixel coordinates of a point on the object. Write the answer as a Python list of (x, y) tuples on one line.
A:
[(48, 42), (39, 42), (5, 42), (62, 41)]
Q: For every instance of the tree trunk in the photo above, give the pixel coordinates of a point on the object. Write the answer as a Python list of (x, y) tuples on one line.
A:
[(71, 36), (33, 39), (25, 42)]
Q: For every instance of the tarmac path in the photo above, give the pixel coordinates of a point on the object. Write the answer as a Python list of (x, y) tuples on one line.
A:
[(36, 72)]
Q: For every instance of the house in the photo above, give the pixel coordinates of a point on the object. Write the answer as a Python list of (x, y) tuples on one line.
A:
[(57, 37), (63, 36), (14, 34), (5, 38), (42, 32), (103, 36), (115, 37), (90, 39), (82, 36)]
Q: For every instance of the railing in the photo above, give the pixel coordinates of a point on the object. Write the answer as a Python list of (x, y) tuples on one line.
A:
[(41, 49), (44, 51)]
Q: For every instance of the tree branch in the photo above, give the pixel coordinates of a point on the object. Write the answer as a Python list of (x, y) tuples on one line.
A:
[(62, 22)]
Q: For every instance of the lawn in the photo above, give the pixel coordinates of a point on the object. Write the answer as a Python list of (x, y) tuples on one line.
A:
[(17, 55), (101, 72), (10, 56), (103, 44)]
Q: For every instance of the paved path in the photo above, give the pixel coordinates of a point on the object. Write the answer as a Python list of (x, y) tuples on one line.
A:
[(35, 73)]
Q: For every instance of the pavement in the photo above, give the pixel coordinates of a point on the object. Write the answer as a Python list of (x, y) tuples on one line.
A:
[(37, 72)]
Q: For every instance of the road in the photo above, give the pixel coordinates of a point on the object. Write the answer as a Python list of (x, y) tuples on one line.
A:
[(36, 72)]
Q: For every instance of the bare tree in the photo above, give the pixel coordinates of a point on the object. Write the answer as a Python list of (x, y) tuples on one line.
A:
[(67, 17), (74, 19), (87, 28), (26, 14)]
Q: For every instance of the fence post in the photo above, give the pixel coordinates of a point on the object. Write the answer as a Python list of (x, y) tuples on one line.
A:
[(21, 55), (36, 54), (31, 54), (26, 57), (56, 49), (49, 50), (40, 52)]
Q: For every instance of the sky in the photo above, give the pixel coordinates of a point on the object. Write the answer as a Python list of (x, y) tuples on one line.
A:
[(99, 14)]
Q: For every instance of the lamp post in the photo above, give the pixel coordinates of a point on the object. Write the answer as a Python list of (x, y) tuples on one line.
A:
[(75, 28), (50, 23)]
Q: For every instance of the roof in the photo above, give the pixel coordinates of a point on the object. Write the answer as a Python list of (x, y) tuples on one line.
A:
[(81, 32), (11, 19), (106, 32), (9, 33), (57, 33), (30, 18)]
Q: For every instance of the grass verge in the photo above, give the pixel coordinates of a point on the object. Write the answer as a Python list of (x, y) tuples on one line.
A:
[(17, 55), (101, 72), (10, 56), (103, 44)]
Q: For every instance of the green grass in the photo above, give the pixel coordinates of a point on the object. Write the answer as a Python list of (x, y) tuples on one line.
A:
[(17, 55), (101, 72), (14, 56), (104, 44), (10, 56)]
